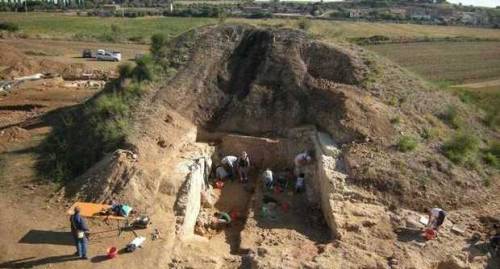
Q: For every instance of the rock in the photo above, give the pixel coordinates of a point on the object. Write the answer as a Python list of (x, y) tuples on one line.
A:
[(458, 229), (453, 262), (352, 227), (162, 143), (262, 252), (368, 223), (412, 223)]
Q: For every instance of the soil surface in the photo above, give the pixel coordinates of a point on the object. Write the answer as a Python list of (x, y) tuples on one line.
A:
[(252, 82)]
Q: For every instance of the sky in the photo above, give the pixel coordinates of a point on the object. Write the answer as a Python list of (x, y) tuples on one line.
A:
[(484, 3)]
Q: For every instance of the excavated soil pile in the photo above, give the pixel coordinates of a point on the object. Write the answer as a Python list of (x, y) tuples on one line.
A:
[(14, 63), (263, 83)]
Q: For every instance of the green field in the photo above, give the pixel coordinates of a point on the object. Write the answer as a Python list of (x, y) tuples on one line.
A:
[(457, 62), (60, 26)]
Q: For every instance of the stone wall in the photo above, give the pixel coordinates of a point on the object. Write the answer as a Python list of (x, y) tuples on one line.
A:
[(263, 152), (189, 202)]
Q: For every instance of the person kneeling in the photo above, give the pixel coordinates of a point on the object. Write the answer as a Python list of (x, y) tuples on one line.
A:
[(299, 184)]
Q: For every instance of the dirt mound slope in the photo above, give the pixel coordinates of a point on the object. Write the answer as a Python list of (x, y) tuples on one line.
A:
[(263, 82), (14, 63)]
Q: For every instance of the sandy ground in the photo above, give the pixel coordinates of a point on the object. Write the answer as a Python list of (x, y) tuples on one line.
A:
[(71, 51), (33, 224)]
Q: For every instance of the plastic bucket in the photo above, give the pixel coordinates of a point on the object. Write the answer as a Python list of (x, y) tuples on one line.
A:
[(429, 234), (234, 214), (112, 252), (219, 184)]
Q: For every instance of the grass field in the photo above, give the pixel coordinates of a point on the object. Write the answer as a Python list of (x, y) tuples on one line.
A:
[(57, 25), (457, 62)]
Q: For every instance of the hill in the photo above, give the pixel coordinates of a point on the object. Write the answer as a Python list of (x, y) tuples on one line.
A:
[(385, 145)]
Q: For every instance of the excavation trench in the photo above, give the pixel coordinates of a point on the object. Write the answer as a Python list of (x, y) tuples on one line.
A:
[(262, 217)]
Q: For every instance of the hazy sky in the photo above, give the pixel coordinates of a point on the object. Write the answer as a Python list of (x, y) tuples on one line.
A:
[(484, 3)]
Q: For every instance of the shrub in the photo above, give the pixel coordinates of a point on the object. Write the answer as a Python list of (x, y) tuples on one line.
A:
[(125, 71), (407, 143), (451, 117), (144, 70), (492, 155), (157, 43), (461, 147), (9, 26)]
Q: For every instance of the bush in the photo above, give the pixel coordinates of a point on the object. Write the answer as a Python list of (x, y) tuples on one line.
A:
[(451, 117), (157, 43), (125, 70), (461, 148), (492, 155), (9, 26), (407, 143), (144, 70)]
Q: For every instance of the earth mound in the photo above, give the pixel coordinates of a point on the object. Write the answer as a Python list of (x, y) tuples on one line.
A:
[(239, 87)]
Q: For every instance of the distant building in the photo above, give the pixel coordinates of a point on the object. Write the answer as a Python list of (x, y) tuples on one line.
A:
[(111, 8)]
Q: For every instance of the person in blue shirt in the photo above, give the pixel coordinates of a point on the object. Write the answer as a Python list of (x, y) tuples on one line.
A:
[(79, 230)]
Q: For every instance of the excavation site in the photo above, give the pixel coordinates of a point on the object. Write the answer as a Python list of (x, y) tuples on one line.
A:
[(256, 147)]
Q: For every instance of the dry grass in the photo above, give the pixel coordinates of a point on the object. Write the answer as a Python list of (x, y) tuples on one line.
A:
[(458, 62)]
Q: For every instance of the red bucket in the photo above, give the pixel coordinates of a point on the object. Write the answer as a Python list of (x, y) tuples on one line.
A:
[(219, 184), (112, 252), (234, 214), (430, 234)]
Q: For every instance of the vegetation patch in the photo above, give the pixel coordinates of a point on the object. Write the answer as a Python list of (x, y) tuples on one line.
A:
[(451, 117), (461, 148), (407, 143), (8, 26), (84, 134), (492, 155)]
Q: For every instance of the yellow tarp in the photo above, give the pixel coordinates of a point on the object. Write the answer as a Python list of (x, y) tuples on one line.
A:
[(92, 210)]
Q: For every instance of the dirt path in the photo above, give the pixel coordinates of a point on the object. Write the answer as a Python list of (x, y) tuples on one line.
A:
[(482, 84)]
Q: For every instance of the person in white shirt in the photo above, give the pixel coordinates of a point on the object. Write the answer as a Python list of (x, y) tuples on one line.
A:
[(220, 173), (299, 184), (230, 162), (300, 161), (268, 178), (436, 218)]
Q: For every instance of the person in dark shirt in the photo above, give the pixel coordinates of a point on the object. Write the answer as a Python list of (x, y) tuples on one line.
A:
[(243, 163), (79, 231)]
